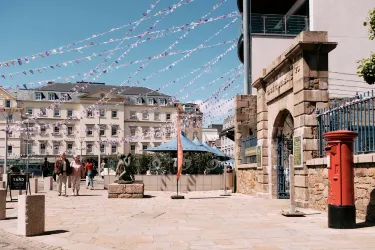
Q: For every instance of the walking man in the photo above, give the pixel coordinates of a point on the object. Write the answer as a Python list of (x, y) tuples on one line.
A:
[(62, 171)]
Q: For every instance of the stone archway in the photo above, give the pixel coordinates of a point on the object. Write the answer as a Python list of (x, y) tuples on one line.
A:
[(282, 140)]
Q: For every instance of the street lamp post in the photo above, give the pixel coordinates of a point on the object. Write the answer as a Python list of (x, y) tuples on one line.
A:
[(99, 144), (6, 143), (247, 46)]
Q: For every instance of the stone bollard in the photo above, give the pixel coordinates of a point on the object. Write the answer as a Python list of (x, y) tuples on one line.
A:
[(3, 202), (48, 183), (69, 182), (3, 184), (5, 178), (34, 185), (31, 215)]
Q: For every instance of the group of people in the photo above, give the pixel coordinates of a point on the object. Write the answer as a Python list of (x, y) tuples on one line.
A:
[(75, 170)]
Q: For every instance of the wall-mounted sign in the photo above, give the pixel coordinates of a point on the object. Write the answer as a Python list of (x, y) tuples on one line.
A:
[(298, 151), (252, 151)]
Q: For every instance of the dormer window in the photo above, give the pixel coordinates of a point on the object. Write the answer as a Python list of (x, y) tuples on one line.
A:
[(150, 101), (89, 113), (163, 102), (139, 101), (7, 103), (65, 96), (38, 96), (52, 96)]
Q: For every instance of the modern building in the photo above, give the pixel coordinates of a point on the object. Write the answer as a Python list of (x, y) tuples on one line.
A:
[(227, 144), (128, 119), (209, 136), (275, 24)]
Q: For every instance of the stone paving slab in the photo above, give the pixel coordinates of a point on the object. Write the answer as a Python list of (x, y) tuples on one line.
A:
[(203, 220)]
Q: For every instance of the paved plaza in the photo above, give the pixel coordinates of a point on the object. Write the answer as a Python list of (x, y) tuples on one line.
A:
[(203, 220)]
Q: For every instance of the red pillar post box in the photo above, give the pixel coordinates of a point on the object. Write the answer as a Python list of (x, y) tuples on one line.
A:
[(341, 201)]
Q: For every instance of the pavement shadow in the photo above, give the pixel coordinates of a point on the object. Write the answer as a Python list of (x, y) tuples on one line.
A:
[(365, 224), (83, 195), (52, 232), (147, 196), (9, 208), (203, 198)]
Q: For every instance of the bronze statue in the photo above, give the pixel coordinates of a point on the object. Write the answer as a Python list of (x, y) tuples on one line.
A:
[(124, 171)]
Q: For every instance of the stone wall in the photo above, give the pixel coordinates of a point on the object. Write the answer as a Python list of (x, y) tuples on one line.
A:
[(364, 188)]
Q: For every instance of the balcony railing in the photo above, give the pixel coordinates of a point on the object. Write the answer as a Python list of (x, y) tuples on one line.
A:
[(278, 24)]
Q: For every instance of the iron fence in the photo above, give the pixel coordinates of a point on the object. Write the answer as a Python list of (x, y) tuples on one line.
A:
[(354, 114), (278, 24), (248, 150)]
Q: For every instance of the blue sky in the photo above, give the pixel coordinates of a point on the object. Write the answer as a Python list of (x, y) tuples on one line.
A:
[(30, 27)]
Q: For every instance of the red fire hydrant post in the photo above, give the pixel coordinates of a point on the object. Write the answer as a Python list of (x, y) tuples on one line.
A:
[(341, 201)]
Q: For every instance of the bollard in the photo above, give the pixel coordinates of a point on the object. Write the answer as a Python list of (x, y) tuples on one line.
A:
[(341, 200), (48, 184), (34, 185), (3, 202), (31, 215), (3, 184)]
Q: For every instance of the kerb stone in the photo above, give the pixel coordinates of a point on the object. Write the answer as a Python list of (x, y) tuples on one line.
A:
[(31, 215)]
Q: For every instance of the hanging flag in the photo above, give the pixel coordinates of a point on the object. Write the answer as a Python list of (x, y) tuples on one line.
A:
[(19, 61), (180, 153)]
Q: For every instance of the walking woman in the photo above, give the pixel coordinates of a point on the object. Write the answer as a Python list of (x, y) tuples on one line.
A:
[(77, 171), (90, 173)]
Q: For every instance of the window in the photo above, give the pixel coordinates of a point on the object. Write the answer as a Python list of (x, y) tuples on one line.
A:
[(132, 149), (144, 147), (42, 149), (195, 135), (65, 96), (56, 112), (102, 148), (51, 96), (10, 118), (10, 149), (146, 131), (114, 131), (29, 111), (150, 101), (133, 115), (133, 131), (145, 115), (102, 112), (43, 112), (70, 130), (38, 96), (89, 131), (89, 113), (42, 130), (10, 134), (114, 114), (168, 132), (56, 130), (163, 102), (70, 112), (139, 101), (157, 132), (168, 117), (70, 148), (114, 149), (7, 103), (102, 131), (157, 116), (56, 149), (89, 148), (29, 148)]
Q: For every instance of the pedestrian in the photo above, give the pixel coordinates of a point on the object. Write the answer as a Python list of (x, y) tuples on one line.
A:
[(77, 170), (45, 167), (62, 171), (90, 174), (102, 165)]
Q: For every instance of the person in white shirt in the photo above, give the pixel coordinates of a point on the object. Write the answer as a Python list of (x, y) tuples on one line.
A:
[(77, 172)]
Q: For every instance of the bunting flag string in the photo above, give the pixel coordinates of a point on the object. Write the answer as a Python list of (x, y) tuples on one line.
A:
[(77, 61), (57, 50)]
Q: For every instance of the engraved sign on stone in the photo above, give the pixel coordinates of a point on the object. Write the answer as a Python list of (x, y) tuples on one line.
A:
[(259, 156), (298, 151)]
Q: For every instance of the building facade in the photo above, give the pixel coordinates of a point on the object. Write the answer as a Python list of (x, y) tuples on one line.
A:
[(99, 118), (276, 23), (227, 145)]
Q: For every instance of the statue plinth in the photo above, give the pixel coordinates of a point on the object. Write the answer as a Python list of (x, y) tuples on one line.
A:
[(126, 190)]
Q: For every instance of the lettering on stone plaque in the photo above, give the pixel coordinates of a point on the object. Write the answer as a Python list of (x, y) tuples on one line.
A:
[(278, 84)]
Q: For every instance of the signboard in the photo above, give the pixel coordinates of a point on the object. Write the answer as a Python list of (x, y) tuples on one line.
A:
[(18, 182), (298, 151), (259, 156), (252, 151)]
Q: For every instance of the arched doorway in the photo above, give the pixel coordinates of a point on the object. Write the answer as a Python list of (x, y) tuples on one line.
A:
[(283, 135)]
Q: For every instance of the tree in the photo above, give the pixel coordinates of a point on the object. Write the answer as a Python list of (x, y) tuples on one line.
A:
[(366, 66)]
